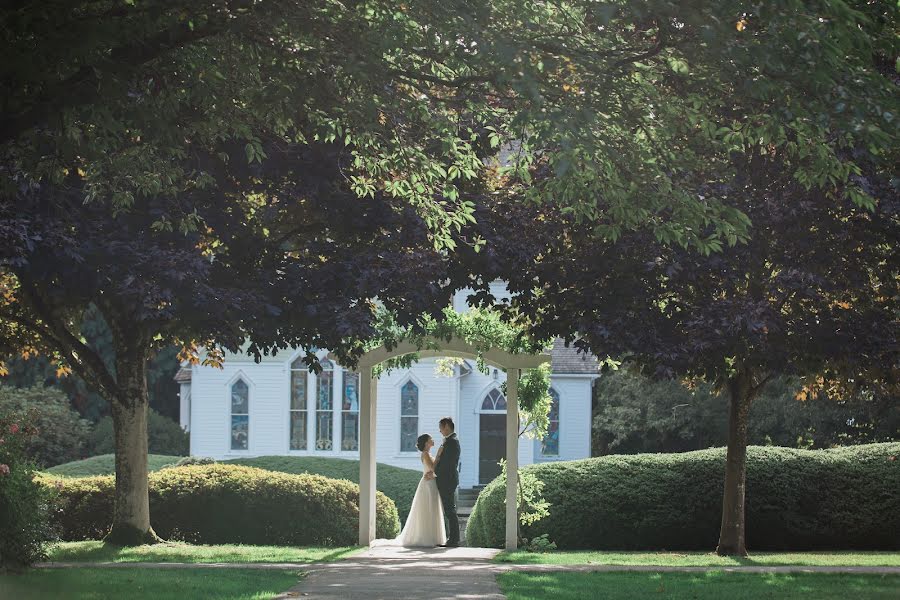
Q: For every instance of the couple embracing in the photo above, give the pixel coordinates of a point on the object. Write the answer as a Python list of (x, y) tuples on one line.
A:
[(435, 497)]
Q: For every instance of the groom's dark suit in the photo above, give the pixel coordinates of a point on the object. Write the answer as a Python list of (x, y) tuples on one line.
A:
[(447, 474)]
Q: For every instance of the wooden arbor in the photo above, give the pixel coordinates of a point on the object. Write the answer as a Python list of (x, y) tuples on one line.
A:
[(512, 363)]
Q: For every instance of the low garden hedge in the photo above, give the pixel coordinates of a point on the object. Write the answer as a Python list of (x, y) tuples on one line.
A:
[(217, 504), (843, 498)]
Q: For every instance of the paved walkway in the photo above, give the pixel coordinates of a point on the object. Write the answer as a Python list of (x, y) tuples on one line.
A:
[(395, 573)]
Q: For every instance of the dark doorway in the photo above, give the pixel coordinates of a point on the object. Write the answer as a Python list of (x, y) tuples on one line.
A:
[(491, 446)]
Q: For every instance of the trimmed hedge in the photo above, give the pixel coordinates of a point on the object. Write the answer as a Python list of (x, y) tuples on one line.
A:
[(397, 483), (843, 498), (217, 504)]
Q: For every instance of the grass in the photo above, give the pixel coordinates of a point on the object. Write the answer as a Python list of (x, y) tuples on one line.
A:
[(105, 464), (147, 584), (96, 551), (397, 484), (705, 559), (713, 585)]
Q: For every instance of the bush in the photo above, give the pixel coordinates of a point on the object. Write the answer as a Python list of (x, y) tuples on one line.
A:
[(61, 433), (217, 504), (843, 498), (165, 436), (24, 504), (191, 460), (397, 483)]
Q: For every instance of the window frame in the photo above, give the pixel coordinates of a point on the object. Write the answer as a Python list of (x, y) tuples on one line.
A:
[(328, 366), (409, 380), (292, 369), (539, 444), (238, 377)]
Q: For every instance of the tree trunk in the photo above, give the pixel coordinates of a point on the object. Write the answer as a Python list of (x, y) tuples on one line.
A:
[(732, 533), (131, 523)]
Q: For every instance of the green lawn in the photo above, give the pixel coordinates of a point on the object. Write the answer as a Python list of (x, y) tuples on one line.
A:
[(397, 484), (92, 551), (705, 559), (713, 585), (147, 584), (105, 464)]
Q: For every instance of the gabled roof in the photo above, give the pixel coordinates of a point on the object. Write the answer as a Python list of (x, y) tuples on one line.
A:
[(183, 375), (569, 360)]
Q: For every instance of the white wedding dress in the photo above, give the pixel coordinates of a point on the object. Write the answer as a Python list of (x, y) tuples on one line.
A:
[(425, 523)]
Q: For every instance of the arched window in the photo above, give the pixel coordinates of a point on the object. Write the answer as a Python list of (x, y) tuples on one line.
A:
[(550, 443), (409, 416), (494, 401), (350, 412), (298, 410), (324, 410), (240, 415)]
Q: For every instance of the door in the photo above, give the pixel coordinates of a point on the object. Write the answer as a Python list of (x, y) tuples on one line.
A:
[(491, 446)]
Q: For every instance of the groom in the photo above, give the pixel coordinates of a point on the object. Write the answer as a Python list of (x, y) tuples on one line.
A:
[(447, 474)]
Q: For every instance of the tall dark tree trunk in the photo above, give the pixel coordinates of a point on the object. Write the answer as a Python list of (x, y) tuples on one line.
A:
[(131, 523), (732, 533)]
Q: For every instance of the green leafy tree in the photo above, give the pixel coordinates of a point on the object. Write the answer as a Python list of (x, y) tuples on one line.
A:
[(59, 435)]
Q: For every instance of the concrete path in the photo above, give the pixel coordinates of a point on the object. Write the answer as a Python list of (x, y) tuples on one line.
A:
[(395, 573)]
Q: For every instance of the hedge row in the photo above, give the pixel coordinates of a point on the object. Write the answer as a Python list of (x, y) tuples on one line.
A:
[(844, 498), (216, 504)]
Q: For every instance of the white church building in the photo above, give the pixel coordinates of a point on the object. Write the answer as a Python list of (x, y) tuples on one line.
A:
[(277, 407)]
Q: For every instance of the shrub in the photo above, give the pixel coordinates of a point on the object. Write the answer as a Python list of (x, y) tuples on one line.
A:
[(843, 498), (216, 504), (164, 435), (397, 483), (24, 504), (61, 433), (191, 460)]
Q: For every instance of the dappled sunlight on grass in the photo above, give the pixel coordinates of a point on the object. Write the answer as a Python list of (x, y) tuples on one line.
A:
[(705, 559), (712, 585), (147, 584), (96, 551)]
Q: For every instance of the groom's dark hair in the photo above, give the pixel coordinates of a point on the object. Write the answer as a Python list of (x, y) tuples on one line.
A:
[(448, 422)]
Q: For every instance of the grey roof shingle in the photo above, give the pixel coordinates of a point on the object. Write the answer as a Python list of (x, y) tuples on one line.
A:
[(570, 360), (183, 375)]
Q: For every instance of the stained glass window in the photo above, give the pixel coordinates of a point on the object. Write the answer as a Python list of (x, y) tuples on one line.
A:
[(494, 400), (298, 411), (550, 443), (350, 412), (324, 414), (409, 416), (240, 415)]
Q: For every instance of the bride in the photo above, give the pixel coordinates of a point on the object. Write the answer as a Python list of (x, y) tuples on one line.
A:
[(425, 523)]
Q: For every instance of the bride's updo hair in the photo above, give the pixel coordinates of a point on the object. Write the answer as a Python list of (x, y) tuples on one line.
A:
[(421, 441)]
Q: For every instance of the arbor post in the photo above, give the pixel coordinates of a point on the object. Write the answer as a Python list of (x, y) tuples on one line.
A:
[(368, 387), (512, 458)]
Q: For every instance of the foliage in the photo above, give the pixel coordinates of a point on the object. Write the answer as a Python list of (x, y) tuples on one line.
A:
[(568, 87), (397, 484), (164, 435), (539, 544), (105, 464), (60, 436), (25, 528), (844, 498), (215, 504), (192, 460), (634, 414), (484, 329)]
